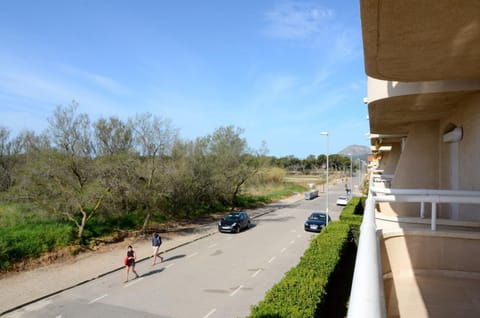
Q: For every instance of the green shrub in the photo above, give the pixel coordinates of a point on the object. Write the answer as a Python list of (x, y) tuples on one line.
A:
[(352, 214), (29, 241)]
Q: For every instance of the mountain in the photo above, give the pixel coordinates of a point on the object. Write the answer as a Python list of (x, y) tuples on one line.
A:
[(357, 151)]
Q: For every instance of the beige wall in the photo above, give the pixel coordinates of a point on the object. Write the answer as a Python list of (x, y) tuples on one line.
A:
[(390, 159), (466, 116), (426, 162), (404, 252), (417, 166)]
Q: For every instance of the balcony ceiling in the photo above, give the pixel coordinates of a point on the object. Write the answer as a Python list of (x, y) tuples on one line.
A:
[(411, 40), (394, 115)]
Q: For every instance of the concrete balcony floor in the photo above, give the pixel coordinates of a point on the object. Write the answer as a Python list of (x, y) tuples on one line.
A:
[(430, 273), (433, 294)]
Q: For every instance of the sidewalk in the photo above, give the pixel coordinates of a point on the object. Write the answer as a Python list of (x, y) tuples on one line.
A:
[(27, 287)]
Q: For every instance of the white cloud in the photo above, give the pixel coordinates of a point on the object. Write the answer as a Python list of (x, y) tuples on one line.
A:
[(39, 90), (270, 88), (295, 20), (101, 81)]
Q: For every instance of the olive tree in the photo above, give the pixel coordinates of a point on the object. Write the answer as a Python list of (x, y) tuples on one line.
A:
[(153, 141), (233, 162), (64, 177)]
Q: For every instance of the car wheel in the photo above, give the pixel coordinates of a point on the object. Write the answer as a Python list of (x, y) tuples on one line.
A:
[(237, 229)]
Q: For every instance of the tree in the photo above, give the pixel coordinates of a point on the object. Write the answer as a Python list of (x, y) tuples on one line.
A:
[(113, 137), (9, 157), (232, 162), (64, 178), (154, 138)]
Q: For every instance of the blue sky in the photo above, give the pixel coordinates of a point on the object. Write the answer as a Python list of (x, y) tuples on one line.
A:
[(282, 70)]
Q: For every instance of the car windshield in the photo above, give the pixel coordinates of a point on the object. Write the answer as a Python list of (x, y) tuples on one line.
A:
[(317, 216), (342, 198), (232, 217)]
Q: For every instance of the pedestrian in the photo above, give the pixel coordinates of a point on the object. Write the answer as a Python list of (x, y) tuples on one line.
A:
[(130, 262), (156, 242)]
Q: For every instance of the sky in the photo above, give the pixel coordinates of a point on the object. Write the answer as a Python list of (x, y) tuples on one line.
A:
[(283, 71)]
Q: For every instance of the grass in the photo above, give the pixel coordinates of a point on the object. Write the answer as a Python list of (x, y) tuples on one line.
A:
[(273, 191), (27, 233)]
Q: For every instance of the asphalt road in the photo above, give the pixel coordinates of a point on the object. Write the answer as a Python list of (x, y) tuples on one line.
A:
[(221, 275)]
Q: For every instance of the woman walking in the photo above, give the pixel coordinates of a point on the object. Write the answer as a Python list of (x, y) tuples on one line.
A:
[(130, 262), (156, 242)]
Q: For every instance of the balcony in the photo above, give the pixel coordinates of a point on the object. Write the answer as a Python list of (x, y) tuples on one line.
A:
[(419, 266)]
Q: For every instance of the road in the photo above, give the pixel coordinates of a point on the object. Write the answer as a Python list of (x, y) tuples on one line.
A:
[(221, 275)]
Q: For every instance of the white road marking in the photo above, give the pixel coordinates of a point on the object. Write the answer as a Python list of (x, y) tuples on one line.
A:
[(97, 299), (283, 250), (292, 241), (192, 255), (299, 235), (38, 305), (133, 282), (59, 316), (210, 246), (256, 273), (272, 259), (169, 265), (210, 313), (236, 290)]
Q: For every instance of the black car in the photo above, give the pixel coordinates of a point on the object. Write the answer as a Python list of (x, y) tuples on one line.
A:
[(234, 222), (316, 221)]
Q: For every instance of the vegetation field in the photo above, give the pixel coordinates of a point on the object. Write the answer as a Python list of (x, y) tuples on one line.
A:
[(27, 232)]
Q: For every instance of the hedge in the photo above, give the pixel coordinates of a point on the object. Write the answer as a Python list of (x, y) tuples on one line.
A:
[(302, 291), (352, 214), (311, 288)]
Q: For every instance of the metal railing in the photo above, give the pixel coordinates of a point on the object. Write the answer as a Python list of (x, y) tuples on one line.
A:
[(422, 196), (367, 295)]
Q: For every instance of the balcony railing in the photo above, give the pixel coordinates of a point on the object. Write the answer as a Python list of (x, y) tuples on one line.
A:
[(367, 295)]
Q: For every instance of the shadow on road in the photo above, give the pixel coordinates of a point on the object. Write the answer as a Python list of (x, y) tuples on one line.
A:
[(171, 258), (281, 219), (152, 272)]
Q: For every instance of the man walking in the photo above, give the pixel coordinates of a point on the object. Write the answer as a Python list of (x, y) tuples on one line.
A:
[(156, 242)]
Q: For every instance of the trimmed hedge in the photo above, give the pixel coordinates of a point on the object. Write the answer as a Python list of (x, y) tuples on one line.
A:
[(352, 214), (320, 284), (301, 293)]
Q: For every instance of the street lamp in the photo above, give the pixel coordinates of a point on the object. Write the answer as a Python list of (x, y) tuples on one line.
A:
[(351, 189), (325, 133)]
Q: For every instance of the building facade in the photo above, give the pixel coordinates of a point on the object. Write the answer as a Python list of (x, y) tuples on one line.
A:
[(422, 59)]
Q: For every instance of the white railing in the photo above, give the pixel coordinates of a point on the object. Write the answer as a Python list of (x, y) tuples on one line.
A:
[(367, 295), (422, 196)]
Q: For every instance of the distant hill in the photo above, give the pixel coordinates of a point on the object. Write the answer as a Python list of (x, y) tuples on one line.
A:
[(357, 151)]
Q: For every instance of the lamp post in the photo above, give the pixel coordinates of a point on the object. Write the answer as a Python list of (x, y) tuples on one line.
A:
[(325, 133), (351, 188), (359, 172)]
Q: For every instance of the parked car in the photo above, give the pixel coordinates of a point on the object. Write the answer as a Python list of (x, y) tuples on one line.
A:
[(234, 222), (316, 221), (342, 200)]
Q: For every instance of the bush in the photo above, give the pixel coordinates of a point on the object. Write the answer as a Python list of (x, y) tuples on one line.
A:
[(29, 241), (352, 214)]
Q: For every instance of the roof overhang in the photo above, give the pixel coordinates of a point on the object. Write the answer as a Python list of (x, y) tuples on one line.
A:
[(411, 40)]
